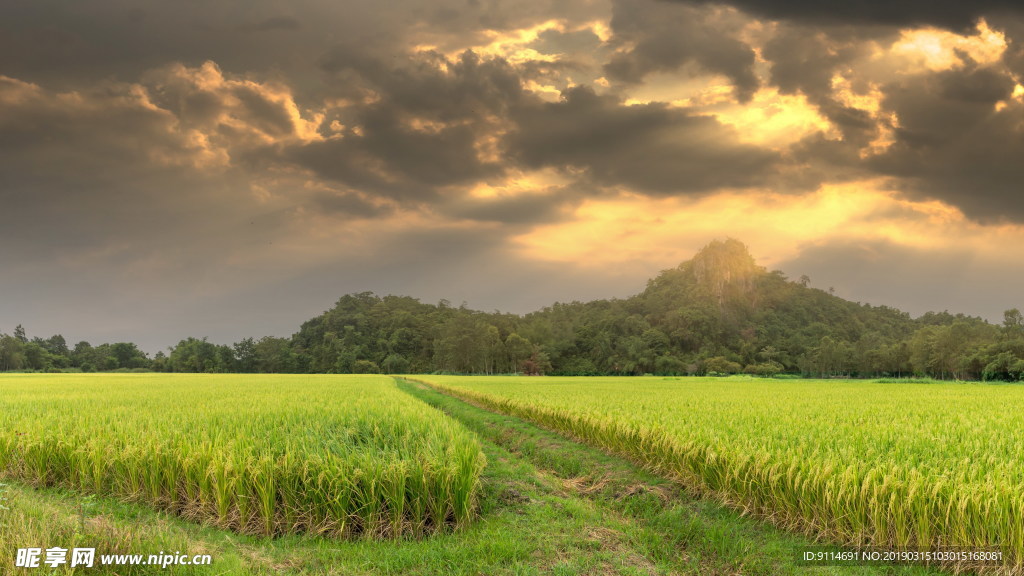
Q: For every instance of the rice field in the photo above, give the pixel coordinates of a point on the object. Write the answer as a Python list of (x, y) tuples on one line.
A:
[(922, 466), (347, 456)]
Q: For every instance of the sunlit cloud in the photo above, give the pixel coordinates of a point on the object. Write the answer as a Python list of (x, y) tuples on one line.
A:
[(633, 230), (774, 120), (685, 89), (518, 46), (548, 92), (530, 182), (207, 100), (935, 49)]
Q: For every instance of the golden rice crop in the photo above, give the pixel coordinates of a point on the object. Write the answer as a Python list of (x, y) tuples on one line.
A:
[(864, 463), (341, 455)]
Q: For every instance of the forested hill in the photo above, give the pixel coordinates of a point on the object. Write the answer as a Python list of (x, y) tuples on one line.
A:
[(717, 313)]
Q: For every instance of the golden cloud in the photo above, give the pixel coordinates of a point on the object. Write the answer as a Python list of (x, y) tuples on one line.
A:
[(633, 230), (936, 49)]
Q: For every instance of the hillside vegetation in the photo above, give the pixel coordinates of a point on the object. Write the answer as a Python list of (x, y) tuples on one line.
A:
[(718, 313)]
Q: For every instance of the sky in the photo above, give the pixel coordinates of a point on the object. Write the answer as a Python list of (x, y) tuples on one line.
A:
[(229, 168)]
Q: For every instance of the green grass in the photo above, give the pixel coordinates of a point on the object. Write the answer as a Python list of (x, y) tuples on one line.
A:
[(346, 456), (862, 463)]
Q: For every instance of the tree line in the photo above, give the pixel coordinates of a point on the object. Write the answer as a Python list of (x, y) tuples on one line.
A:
[(718, 313)]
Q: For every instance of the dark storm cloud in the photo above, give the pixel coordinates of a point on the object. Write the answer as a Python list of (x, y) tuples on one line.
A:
[(1014, 30), (953, 145), (804, 60), (62, 43), (63, 145), (662, 37), (103, 181), (429, 85), (570, 44), (950, 142), (345, 160), (952, 14), (425, 120), (422, 127), (653, 148)]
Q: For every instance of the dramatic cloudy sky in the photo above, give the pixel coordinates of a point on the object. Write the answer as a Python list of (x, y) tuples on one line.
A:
[(230, 168)]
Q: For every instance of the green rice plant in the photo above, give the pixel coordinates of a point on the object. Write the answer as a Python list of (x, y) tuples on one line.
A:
[(902, 464), (293, 507), (223, 479), (465, 482), (416, 496), (264, 482), (439, 487), (132, 476), (339, 501), (348, 456)]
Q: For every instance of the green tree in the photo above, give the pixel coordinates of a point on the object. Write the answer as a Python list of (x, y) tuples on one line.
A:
[(245, 355), (519, 350), (193, 355), (275, 356), (721, 365), (12, 355), (395, 364)]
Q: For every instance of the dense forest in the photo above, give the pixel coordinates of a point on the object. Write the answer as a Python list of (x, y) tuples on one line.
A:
[(718, 313)]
